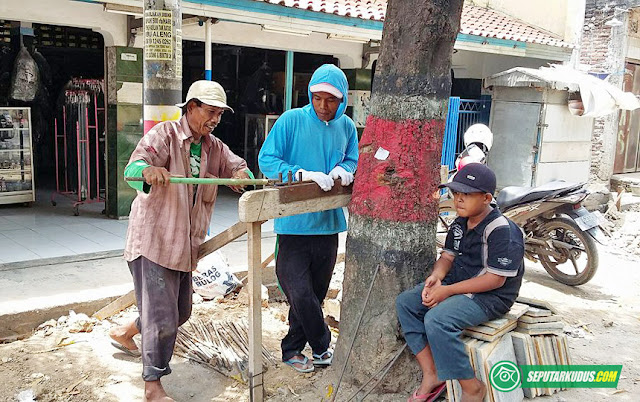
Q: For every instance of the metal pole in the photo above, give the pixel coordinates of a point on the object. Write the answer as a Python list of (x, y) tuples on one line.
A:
[(162, 76), (288, 94), (222, 182), (207, 50)]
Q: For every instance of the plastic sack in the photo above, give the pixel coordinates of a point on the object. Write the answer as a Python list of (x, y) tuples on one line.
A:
[(26, 77), (213, 278)]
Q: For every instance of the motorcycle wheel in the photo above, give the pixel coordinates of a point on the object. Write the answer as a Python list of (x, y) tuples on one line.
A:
[(567, 269)]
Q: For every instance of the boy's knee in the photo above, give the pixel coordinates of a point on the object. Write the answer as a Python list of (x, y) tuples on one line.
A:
[(402, 301)]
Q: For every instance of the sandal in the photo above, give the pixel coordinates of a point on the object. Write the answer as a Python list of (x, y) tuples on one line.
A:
[(324, 359), (122, 348), (431, 396), (297, 360)]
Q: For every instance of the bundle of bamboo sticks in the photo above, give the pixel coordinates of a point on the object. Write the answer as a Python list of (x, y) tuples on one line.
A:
[(220, 345)]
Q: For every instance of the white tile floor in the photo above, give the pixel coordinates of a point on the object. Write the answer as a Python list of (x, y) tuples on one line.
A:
[(45, 231)]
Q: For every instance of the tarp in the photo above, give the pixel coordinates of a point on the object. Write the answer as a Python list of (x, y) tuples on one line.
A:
[(598, 97)]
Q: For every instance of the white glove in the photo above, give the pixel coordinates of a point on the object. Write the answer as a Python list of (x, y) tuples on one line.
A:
[(324, 181), (339, 172)]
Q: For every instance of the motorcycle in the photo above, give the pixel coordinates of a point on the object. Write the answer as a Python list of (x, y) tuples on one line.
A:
[(559, 232)]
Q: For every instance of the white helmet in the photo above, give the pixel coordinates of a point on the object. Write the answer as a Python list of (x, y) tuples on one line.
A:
[(478, 133)]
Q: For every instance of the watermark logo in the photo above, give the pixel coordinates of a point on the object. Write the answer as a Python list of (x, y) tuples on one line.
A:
[(505, 376), (571, 376)]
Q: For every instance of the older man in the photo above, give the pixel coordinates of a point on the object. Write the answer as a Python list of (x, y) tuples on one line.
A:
[(168, 223)]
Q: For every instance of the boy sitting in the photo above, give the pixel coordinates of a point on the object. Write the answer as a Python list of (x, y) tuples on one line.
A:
[(476, 279)]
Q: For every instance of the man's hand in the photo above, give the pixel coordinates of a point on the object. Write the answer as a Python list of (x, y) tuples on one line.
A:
[(156, 176), (240, 174), (323, 180), (436, 295), (339, 172)]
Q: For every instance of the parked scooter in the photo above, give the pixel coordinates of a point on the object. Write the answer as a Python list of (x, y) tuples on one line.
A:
[(559, 232)]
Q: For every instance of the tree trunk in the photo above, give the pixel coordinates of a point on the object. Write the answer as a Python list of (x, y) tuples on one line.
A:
[(393, 211)]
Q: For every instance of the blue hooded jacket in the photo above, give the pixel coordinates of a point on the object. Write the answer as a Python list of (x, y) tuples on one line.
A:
[(300, 140)]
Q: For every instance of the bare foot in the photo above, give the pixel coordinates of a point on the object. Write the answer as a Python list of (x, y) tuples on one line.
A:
[(124, 335), (428, 384), (473, 390), (153, 392)]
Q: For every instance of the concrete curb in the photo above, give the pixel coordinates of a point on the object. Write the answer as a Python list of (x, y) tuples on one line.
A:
[(21, 325), (61, 260)]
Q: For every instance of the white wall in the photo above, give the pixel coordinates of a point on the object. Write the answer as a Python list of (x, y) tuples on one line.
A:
[(561, 17), (467, 64), (68, 13), (239, 34)]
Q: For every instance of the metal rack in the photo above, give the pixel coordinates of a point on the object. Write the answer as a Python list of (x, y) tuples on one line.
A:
[(77, 176)]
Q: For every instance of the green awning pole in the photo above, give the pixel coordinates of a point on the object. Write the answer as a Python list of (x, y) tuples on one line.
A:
[(221, 182)]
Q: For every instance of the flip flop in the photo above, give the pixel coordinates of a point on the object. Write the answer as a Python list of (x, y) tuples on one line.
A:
[(296, 360), (430, 397), (122, 348), (319, 360)]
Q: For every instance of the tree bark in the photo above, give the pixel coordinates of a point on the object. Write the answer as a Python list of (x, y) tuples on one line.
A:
[(393, 211)]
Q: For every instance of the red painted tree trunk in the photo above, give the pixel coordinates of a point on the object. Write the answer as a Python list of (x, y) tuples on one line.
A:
[(393, 211)]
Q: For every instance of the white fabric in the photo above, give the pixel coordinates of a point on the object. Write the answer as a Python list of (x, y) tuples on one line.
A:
[(339, 172), (326, 87), (323, 180)]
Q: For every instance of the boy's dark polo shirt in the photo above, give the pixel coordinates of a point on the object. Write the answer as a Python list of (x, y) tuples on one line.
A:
[(495, 245)]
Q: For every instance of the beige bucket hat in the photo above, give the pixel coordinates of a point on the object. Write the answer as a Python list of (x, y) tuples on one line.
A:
[(208, 92)]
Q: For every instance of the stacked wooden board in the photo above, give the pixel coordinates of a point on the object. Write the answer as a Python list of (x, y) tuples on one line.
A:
[(529, 334)]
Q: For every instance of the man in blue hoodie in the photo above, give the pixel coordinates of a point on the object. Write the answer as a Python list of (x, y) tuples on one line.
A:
[(319, 143)]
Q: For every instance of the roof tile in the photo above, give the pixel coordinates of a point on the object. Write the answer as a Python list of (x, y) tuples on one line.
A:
[(475, 20)]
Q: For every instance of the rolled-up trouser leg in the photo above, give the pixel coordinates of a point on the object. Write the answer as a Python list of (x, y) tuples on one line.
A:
[(443, 326), (164, 302)]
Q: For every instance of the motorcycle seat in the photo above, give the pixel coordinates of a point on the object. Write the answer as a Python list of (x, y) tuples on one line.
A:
[(513, 195)]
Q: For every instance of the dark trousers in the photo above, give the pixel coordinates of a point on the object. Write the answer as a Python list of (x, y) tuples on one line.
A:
[(304, 267), (164, 303)]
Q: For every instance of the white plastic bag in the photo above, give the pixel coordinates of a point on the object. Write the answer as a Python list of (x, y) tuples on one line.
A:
[(212, 277)]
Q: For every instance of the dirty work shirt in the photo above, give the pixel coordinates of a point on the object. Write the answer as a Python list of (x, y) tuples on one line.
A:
[(135, 169), (300, 140), (166, 225), (495, 245)]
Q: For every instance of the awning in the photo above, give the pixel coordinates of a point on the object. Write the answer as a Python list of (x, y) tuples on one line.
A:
[(599, 97)]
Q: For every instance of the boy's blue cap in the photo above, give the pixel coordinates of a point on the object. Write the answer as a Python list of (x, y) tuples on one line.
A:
[(473, 178)]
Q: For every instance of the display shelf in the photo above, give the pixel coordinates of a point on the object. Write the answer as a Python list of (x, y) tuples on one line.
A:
[(16, 170)]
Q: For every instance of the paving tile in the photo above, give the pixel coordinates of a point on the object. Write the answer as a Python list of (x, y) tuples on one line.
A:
[(13, 251)]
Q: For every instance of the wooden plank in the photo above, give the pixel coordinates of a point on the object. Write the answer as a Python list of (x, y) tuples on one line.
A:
[(541, 325), (268, 260), (481, 352), (535, 320), (116, 306), (516, 311), (521, 348), (222, 239), (256, 383), (536, 303), (540, 332), (306, 191), (504, 351), (262, 205), (484, 336), (538, 312), (498, 323)]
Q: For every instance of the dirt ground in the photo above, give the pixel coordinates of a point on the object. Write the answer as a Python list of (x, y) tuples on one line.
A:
[(602, 321)]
